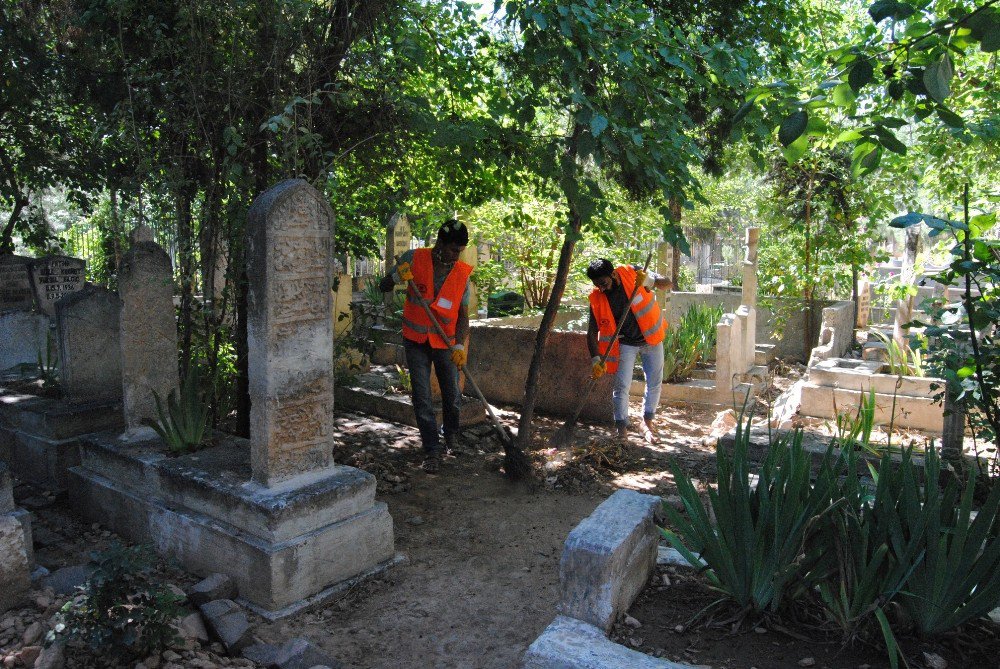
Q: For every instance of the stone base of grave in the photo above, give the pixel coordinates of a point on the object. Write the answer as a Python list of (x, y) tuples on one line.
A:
[(399, 408), (835, 386), (39, 436), (284, 546)]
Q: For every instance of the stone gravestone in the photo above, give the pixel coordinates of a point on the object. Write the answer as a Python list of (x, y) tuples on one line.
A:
[(147, 331), (15, 283), (87, 323), (864, 303), (289, 332), (398, 236), (53, 277)]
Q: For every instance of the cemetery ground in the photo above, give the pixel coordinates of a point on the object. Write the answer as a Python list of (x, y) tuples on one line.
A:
[(479, 582)]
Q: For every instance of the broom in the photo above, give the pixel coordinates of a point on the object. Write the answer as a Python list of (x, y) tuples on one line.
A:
[(515, 462), (565, 435)]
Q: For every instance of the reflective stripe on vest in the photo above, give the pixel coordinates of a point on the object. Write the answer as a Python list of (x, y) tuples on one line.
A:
[(644, 307), (445, 305)]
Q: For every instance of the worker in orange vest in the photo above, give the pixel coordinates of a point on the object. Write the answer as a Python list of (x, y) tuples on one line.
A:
[(443, 282), (641, 336)]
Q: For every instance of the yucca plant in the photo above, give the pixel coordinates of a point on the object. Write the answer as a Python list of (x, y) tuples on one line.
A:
[(856, 431), (754, 552), (184, 424), (691, 341), (958, 577), (903, 360)]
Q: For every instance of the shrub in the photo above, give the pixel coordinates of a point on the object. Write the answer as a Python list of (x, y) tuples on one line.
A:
[(689, 342), (119, 611), (185, 422)]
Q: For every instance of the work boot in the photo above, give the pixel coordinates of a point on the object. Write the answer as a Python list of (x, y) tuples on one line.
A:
[(621, 429), (432, 463), (649, 431)]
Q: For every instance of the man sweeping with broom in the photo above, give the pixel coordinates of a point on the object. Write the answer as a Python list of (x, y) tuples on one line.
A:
[(623, 292), (443, 282)]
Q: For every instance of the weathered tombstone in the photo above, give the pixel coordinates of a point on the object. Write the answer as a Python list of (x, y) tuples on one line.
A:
[(15, 283), (289, 332), (398, 236), (87, 323), (864, 303), (750, 267), (54, 277), (24, 336), (15, 547), (147, 330)]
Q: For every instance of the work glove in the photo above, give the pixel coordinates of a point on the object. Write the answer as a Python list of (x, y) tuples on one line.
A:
[(598, 368), (640, 278), (404, 272), (458, 355)]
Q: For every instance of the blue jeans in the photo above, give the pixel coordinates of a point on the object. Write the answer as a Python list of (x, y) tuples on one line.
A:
[(419, 358), (652, 368)]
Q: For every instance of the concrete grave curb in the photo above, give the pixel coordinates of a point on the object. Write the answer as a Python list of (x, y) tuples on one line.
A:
[(607, 560)]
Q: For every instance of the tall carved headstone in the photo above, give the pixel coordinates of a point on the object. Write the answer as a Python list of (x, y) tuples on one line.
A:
[(54, 277), (289, 332), (148, 330), (15, 283), (398, 236), (89, 352), (750, 267)]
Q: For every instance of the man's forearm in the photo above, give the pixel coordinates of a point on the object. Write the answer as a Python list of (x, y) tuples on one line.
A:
[(462, 325), (592, 343)]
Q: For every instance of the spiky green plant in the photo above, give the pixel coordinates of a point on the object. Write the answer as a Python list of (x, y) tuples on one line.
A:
[(691, 341), (755, 548), (184, 424)]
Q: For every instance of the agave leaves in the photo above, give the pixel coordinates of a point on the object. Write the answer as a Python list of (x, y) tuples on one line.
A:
[(792, 537), (754, 551), (690, 342), (184, 424)]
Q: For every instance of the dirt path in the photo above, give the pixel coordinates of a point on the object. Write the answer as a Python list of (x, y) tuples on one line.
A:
[(480, 581)]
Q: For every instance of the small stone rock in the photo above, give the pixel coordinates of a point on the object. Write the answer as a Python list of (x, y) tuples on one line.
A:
[(214, 587), (65, 581), (632, 622), (33, 633), (53, 657), (152, 662), (170, 656), (261, 653), (666, 580), (217, 648), (10, 661), (228, 623), (301, 653), (192, 627), (140, 665), (415, 520), (679, 629), (935, 661), (43, 602), (177, 592), (29, 654), (760, 630), (807, 662)]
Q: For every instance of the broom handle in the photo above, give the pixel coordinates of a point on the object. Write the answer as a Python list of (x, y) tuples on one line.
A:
[(604, 357), (441, 333)]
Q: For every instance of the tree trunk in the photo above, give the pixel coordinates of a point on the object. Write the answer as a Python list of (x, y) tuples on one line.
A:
[(552, 305), (675, 261), (542, 337), (185, 245)]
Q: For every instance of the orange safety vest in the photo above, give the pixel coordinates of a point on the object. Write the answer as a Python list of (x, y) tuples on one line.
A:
[(445, 305), (647, 314)]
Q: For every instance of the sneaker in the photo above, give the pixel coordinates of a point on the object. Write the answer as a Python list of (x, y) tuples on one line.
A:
[(432, 463)]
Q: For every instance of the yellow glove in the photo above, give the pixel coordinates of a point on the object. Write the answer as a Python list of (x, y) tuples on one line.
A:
[(640, 278), (404, 272), (598, 368), (458, 355)]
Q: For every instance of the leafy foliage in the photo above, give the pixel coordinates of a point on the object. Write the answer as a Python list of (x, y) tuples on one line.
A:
[(690, 342), (119, 611), (184, 424)]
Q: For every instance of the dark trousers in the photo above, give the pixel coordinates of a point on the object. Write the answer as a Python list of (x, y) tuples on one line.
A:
[(419, 358)]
